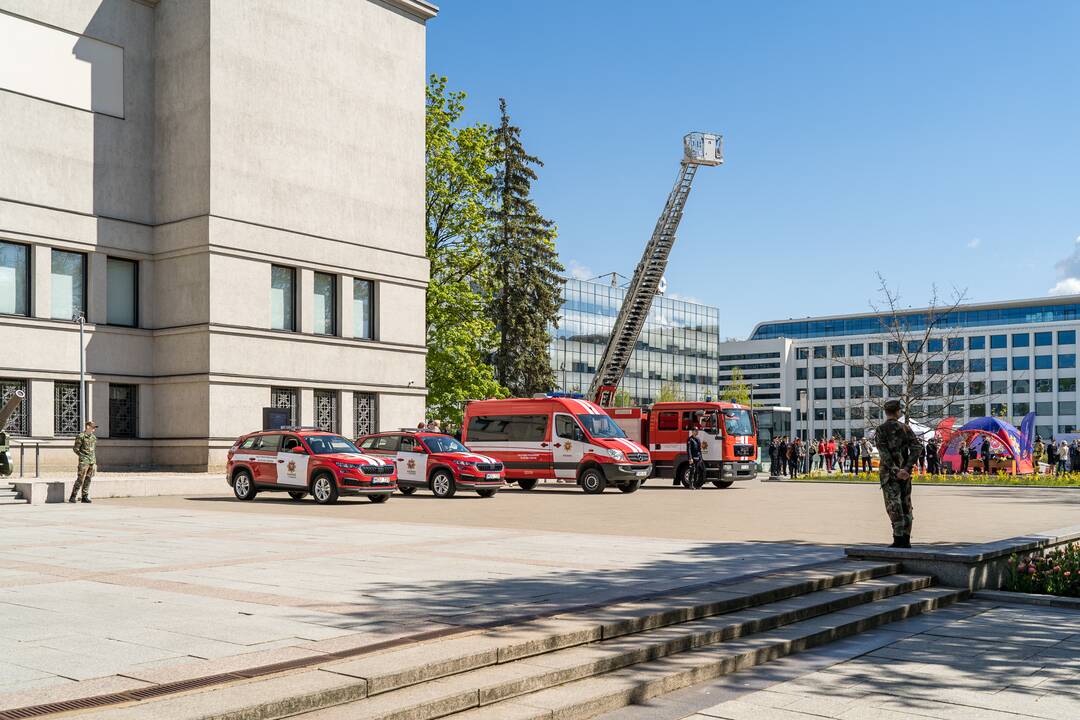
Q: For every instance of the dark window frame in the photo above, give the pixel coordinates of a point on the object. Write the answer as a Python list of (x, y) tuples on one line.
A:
[(27, 281)]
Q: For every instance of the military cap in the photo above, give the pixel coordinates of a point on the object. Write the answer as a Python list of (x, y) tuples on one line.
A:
[(891, 406)]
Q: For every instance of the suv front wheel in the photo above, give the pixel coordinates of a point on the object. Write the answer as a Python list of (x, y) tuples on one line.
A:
[(593, 481), (442, 484), (324, 489), (243, 485)]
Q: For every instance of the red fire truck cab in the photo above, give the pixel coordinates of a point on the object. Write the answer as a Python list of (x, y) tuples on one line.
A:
[(727, 431), (558, 437)]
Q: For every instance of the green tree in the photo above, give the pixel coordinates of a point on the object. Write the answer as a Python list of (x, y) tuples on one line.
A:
[(527, 271), (737, 391), (670, 392), (460, 335), (622, 399)]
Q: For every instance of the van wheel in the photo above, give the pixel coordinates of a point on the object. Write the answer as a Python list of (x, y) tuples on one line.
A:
[(527, 484), (684, 477), (379, 498), (243, 486), (593, 481), (406, 490), (324, 490), (297, 494), (723, 483), (486, 493), (629, 487), (442, 484)]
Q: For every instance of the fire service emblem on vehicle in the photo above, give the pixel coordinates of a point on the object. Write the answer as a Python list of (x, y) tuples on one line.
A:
[(411, 464), (292, 466)]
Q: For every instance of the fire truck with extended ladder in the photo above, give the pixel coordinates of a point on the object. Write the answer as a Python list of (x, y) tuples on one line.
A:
[(728, 431)]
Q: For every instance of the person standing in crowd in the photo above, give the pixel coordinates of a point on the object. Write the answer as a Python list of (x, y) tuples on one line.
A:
[(695, 478), (965, 454), (820, 454), (864, 452), (984, 453), (1074, 455), (793, 458), (1037, 451), (830, 454), (86, 450), (897, 449), (856, 453), (811, 451), (783, 454), (772, 457), (1062, 457), (1051, 455), (932, 465)]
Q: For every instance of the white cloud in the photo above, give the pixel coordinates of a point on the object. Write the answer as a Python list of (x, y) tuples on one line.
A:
[(974, 243), (578, 271), (1068, 272)]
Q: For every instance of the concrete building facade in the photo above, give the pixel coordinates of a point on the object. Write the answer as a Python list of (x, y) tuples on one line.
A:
[(232, 195), (1007, 358)]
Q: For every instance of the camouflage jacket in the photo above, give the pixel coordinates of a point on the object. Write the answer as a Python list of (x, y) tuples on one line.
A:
[(898, 448), (86, 448)]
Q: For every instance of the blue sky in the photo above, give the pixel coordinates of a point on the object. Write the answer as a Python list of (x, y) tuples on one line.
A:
[(934, 142)]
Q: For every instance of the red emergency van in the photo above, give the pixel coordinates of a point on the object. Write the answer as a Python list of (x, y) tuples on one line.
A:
[(556, 437), (727, 432)]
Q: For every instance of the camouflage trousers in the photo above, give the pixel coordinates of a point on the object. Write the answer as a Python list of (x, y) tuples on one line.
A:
[(82, 479), (898, 505)]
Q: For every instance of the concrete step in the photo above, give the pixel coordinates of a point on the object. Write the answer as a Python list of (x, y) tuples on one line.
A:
[(12, 500), (424, 669)]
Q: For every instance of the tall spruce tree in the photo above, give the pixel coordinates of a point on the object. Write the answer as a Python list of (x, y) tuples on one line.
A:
[(526, 269)]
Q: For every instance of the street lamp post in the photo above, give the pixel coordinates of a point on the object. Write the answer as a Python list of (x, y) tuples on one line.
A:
[(81, 319)]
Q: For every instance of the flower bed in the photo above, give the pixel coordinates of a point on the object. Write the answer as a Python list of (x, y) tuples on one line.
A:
[(1071, 479), (1055, 572)]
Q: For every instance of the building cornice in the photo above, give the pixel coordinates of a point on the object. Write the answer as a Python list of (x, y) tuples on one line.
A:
[(418, 8)]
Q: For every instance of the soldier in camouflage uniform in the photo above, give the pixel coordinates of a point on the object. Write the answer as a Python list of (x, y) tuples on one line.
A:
[(898, 451), (86, 450)]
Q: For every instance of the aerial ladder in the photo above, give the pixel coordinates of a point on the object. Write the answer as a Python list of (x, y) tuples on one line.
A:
[(698, 149)]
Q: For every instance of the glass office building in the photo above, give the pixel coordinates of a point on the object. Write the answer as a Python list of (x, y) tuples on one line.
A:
[(678, 346)]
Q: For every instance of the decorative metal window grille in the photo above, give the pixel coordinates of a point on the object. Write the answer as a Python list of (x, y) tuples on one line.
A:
[(123, 404), (284, 398), (326, 410), (19, 423), (66, 409), (365, 421)]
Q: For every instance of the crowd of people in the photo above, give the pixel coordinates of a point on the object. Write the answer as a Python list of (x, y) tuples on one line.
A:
[(790, 457), (1061, 456)]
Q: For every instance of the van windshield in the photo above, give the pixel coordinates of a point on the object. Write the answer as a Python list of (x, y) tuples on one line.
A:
[(601, 426), (738, 422)]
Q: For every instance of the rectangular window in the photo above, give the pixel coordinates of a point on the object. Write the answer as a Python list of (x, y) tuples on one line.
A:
[(999, 364), (1021, 386), (820, 373), (819, 393), (838, 393), (998, 341), (956, 410), (66, 408), (819, 413), (511, 428), (1043, 409), (1021, 362), (875, 348), (284, 398), (876, 369), (1021, 409), (1044, 431), (1044, 362), (956, 367), (19, 423), (1043, 339), (857, 392), (1066, 337), (800, 373), (977, 365), (122, 293), (1067, 428), (363, 309), (1067, 407), (1066, 360), (977, 410), (326, 410), (1067, 384), (956, 388), (977, 342), (1043, 385), (934, 410), (913, 346), (802, 353), (935, 345), (838, 371), (895, 391), (819, 351), (935, 367), (877, 391), (324, 308), (856, 350), (999, 409), (934, 389), (857, 413), (282, 298), (667, 421), (1021, 339), (838, 350), (956, 343), (68, 285), (14, 279), (856, 371), (977, 388), (123, 406), (365, 414), (999, 387), (895, 369), (838, 413), (894, 347), (874, 412)]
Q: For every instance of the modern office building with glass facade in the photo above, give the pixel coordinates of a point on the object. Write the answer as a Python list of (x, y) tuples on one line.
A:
[(1005, 358), (677, 348)]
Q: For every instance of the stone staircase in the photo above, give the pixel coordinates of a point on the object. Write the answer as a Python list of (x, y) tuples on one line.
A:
[(571, 666), (10, 496)]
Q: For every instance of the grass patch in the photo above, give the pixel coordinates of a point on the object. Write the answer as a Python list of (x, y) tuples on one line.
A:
[(1067, 480)]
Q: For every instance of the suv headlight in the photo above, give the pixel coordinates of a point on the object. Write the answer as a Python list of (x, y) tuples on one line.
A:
[(348, 466), (616, 455), (463, 463)]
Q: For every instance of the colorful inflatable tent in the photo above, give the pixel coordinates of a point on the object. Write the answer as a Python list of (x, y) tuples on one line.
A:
[(1005, 442)]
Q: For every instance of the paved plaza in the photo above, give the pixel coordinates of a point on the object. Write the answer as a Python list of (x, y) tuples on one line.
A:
[(122, 593)]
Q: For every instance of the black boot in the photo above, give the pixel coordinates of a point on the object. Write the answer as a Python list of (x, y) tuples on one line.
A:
[(897, 541), (86, 499), (72, 498), (905, 541)]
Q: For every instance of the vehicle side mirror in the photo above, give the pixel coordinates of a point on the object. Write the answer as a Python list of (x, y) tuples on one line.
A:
[(299, 450), (579, 434)]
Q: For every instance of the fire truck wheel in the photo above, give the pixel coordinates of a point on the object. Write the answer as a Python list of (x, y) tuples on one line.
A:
[(629, 487), (297, 494), (379, 498), (593, 481), (723, 483), (324, 489), (442, 484), (406, 490), (243, 486), (486, 493), (526, 484)]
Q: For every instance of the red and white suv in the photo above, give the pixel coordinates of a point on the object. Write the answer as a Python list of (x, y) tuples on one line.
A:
[(301, 461), (435, 461)]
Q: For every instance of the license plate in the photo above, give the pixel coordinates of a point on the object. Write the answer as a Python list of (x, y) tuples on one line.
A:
[(641, 473), (380, 481), (492, 476)]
